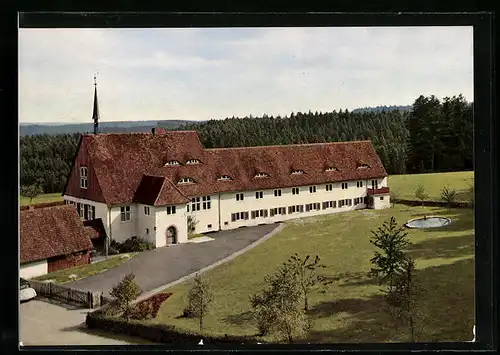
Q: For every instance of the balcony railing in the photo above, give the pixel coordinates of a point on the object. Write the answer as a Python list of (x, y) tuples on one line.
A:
[(379, 191)]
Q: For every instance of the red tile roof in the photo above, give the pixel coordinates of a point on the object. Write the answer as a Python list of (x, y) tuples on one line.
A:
[(130, 166), (96, 226), (51, 231), (42, 205)]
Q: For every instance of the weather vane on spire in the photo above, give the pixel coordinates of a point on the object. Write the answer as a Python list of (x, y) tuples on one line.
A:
[(95, 113)]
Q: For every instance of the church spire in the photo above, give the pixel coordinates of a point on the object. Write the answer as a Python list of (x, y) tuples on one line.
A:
[(95, 113)]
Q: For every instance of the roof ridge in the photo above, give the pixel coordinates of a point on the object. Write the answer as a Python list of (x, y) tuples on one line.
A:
[(138, 133), (289, 145)]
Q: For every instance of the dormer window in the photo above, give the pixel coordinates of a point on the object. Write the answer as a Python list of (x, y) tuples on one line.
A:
[(363, 166), (193, 161), (261, 175), (331, 168), (84, 182), (225, 178), (172, 163), (297, 172), (185, 180)]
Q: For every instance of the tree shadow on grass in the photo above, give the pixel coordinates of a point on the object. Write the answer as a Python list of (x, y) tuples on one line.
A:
[(446, 307), (239, 319), (82, 328), (443, 247)]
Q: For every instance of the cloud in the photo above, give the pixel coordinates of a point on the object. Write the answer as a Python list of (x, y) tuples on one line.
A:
[(215, 73)]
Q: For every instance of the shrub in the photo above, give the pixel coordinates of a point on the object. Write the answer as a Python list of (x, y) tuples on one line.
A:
[(124, 293), (131, 245), (148, 308)]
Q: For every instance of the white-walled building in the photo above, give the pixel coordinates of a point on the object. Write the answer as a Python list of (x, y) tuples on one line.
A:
[(147, 184)]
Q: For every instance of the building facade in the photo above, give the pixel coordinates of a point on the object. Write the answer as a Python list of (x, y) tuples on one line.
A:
[(148, 185)]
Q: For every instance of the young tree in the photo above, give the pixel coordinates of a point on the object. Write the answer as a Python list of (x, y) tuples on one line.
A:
[(390, 240), (278, 308), (31, 191), (448, 195), (402, 298), (307, 276), (191, 222), (471, 196), (421, 194), (394, 196), (199, 297), (124, 293)]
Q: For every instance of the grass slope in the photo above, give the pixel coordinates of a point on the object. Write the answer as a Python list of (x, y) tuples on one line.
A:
[(83, 271), (351, 308), (405, 185), (42, 199)]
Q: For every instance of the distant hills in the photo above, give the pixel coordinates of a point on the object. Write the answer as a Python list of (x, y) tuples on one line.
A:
[(27, 129), (382, 108)]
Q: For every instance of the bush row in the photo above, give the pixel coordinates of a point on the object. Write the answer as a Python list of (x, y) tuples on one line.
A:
[(159, 333), (433, 203), (131, 245)]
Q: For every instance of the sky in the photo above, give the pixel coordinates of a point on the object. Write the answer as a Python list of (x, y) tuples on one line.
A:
[(214, 73)]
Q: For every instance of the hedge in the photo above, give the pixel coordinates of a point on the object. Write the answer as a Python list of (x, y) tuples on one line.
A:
[(432, 203), (159, 333)]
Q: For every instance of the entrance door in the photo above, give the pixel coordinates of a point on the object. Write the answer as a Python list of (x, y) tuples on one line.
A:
[(171, 235)]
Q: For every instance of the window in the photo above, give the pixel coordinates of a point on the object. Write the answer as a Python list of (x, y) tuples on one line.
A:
[(146, 210), (171, 209), (259, 213), (195, 204), (359, 183), (309, 207), (296, 208), (261, 175), (356, 200), (259, 194), (172, 162), (147, 230), (331, 168), (363, 166), (344, 186), (225, 178), (273, 211), (282, 210), (239, 197), (245, 215), (187, 207), (235, 217), (312, 189), (365, 200), (374, 184), (185, 180), (329, 204), (297, 172), (125, 213), (329, 187), (84, 183), (193, 161), (295, 190), (277, 193), (317, 206), (209, 226), (381, 198), (206, 202), (349, 201), (226, 223)]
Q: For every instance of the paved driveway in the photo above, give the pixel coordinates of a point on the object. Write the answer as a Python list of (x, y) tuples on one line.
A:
[(43, 322), (158, 267)]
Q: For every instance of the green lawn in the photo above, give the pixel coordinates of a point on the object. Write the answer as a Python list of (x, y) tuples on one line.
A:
[(351, 308), (83, 271), (405, 185), (42, 198)]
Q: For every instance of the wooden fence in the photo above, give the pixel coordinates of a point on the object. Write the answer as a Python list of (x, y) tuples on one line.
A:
[(67, 294)]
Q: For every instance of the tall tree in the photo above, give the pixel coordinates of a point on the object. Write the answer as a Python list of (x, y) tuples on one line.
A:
[(199, 298), (390, 241)]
